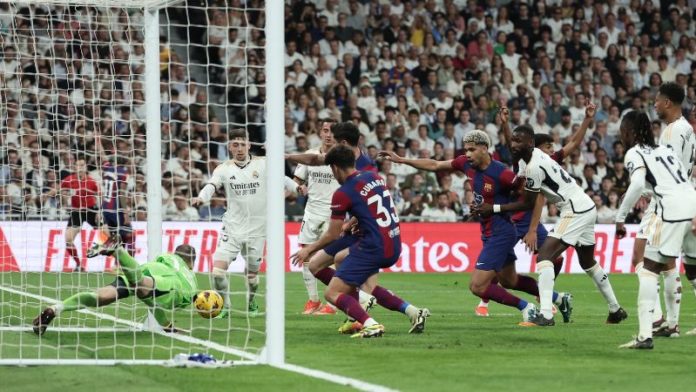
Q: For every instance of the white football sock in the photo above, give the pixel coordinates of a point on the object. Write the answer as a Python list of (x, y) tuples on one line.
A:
[(364, 298), (546, 282), (310, 283), (58, 308), (370, 322), (601, 280), (222, 286), (483, 303), (657, 314), (673, 294), (646, 302)]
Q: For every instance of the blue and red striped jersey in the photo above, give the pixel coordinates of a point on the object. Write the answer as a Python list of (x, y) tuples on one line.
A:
[(364, 163), (115, 183), (492, 185), (365, 196)]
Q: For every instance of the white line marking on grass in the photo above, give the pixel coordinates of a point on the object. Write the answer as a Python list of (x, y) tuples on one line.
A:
[(314, 373), (335, 378), (139, 327), (69, 329)]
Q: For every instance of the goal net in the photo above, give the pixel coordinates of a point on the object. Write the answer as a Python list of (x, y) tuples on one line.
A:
[(75, 81)]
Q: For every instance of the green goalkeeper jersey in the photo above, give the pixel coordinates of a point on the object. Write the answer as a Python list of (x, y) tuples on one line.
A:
[(175, 283)]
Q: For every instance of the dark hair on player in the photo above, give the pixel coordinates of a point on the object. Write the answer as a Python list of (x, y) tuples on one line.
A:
[(346, 131), (238, 134), (340, 156), (673, 92), (541, 139), (525, 129), (639, 123), (186, 252)]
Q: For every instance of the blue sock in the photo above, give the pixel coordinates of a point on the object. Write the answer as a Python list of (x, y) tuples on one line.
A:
[(554, 297), (403, 307), (522, 304)]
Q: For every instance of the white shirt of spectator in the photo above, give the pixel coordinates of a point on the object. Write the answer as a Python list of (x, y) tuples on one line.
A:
[(666, 178), (321, 186), (291, 59), (576, 114), (188, 214), (512, 61), (562, 130), (245, 191), (439, 215), (545, 175)]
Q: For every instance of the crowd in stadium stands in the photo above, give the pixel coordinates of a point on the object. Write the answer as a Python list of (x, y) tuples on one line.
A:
[(415, 76)]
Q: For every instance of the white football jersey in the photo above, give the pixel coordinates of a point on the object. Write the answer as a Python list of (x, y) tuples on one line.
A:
[(245, 191), (321, 186), (679, 136), (544, 174), (667, 178)]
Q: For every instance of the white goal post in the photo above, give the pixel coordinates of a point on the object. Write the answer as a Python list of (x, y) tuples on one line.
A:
[(272, 350)]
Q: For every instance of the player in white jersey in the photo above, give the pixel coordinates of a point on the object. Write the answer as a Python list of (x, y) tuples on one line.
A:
[(657, 169), (319, 184), (244, 223), (575, 228), (678, 136)]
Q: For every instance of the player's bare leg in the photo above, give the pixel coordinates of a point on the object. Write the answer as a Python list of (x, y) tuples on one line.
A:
[(102, 297), (601, 281), (345, 297), (637, 261), (70, 235), (222, 285)]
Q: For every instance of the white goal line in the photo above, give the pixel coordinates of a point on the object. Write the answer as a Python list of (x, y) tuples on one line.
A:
[(252, 359), (139, 327)]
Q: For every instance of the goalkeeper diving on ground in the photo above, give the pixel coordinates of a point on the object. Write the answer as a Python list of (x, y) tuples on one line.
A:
[(165, 284)]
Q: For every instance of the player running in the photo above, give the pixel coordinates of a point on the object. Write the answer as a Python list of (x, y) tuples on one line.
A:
[(678, 136), (243, 177), (527, 222), (575, 228), (492, 182), (164, 284), (658, 169), (319, 184), (348, 135), (363, 195)]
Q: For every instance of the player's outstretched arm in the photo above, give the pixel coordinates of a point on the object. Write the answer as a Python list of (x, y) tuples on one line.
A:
[(423, 164), (331, 234), (526, 203), (630, 199), (577, 138), (306, 159), (504, 114)]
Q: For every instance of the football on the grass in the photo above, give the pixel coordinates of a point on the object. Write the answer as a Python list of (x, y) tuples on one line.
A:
[(208, 303)]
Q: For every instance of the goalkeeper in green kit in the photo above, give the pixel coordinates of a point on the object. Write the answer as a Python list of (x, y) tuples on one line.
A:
[(165, 283)]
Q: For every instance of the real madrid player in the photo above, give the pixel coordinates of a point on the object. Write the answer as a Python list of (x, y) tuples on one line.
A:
[(243, 177), (658, 169)]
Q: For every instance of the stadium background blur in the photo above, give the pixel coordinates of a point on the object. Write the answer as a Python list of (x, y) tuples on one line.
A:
[(415, 76)]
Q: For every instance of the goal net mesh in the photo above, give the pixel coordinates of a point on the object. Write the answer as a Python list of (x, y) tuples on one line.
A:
[(72, 93)]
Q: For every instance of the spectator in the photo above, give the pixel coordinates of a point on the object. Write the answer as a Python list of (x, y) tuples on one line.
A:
[(442, 212)]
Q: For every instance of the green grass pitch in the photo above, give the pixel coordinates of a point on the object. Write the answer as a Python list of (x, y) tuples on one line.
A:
[(457, 352)]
